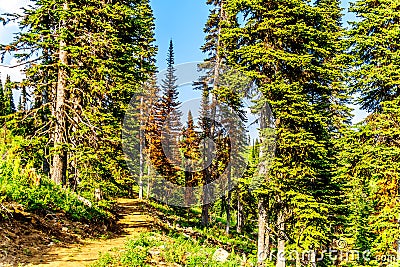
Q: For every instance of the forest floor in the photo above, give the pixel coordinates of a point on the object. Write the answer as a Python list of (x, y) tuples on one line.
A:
[(63, 249), (152, 233)]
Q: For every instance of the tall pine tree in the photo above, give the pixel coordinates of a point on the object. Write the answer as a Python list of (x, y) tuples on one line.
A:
[(9, 106), (191, 160), (375, 44), (292, 50), (81, 85), (2, 99), (170, 116)]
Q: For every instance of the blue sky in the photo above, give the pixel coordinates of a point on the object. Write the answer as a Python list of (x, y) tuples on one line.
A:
[(183, 21), (180, 20)]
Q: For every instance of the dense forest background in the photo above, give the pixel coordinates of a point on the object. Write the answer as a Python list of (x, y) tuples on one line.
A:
[(310, 185)]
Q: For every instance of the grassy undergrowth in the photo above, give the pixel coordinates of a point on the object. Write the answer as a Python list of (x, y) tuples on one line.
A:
[(173, 247), (20, 183), (155, 249), (192, 218)]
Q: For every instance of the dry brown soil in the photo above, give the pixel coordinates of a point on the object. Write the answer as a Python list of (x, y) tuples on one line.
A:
[(72, 250)]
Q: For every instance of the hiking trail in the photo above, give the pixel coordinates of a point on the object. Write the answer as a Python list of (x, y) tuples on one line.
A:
[(133, 221)]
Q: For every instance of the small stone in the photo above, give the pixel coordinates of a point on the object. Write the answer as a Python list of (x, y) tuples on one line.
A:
[(154, 252), (221, 255), (186, 235)]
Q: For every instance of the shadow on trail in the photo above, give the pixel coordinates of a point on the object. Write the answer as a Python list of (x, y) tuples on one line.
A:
[(70, 245)]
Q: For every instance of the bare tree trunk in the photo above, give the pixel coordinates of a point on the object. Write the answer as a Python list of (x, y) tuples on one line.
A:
[(73, 182), (59, 169), (239, 225), (298, 261), (280, 259), (398, 240), (148, 179), (263, 244), (398, 250), (141, 151), (205, 217), (206, 177), (188, 188), (228, 203), (263, 218), (206, 174), (313, 259)]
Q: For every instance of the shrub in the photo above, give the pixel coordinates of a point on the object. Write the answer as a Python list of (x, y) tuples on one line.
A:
[(36, 192)]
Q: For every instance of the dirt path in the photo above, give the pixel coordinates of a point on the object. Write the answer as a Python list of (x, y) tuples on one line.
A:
[(134, 221)]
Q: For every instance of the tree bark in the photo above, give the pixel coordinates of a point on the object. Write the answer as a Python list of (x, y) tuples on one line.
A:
[(206, 176), (148, 179), (280, 259), (263, 223), (188, 188), (205, 217), (398, 250), (141, 167), (228, 203), (59, 169), (313, 259), (239, 225), (263, 244)]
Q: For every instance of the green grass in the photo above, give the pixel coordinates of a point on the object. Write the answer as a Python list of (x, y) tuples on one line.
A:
[(214, 231), (172, 248), (17, 184)]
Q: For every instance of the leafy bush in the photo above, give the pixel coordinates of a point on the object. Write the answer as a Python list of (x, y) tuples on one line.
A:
[(173, 248), (36, 192)]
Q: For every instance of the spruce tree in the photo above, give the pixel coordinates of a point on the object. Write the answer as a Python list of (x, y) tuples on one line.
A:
[(373, 183), (190, 149), (148, 101), (206, 124), (374, 45), (207, 83), (9, 96), (2, 99), (170, 115), (292, 50), (24, 98), (82, 86), (371, 150), (20, 107)]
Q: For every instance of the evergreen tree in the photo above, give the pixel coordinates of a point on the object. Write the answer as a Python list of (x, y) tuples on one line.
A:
[(371, 151), (212, 67), (372, 172), (24, 98), (375, 44), (2, 99), (148, 102), (205, 124), (191, 161), (246, 200), (20, 107), (8, 96), (292, 50), (170, 115), (82, 86)]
